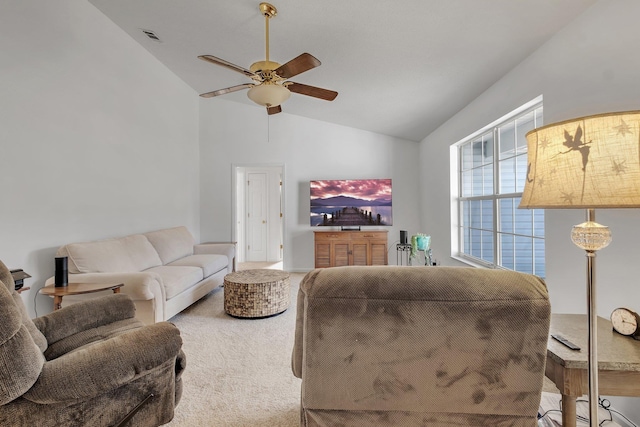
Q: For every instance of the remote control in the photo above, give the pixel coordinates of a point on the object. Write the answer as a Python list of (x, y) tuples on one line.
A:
[(565, 341)]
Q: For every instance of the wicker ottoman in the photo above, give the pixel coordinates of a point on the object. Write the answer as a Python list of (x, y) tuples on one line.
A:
[(256, 293)]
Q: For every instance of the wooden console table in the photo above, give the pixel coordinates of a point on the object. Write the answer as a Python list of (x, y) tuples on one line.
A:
[(341, 248), (76, 289), (618, 362)]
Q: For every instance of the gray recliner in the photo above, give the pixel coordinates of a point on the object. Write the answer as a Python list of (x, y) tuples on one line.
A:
[(389, 346), (89, 364)]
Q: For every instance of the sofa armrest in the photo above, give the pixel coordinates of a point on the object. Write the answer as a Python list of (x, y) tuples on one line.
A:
[(85, 315), (107, 365), (297, 353), (221, 248), (144, 285)]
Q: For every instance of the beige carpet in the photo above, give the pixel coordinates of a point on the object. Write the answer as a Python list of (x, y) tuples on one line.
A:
[(238, 370)]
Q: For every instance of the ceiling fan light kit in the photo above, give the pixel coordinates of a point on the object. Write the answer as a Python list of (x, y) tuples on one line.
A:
[(269, 95), (270, 87)]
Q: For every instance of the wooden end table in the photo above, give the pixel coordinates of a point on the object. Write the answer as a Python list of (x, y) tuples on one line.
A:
[(57, 292), (618, 362)]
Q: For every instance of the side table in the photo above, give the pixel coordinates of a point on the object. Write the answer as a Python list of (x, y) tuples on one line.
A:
[(403, 253), (256, 293), (76, 289), (618, 362)]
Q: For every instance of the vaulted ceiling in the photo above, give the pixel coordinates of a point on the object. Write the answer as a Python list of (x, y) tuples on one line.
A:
[(401, 68)]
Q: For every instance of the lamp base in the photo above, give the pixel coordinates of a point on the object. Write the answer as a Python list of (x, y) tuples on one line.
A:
[(591, 237)]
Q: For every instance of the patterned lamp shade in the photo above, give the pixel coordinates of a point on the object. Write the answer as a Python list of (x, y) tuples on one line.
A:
[(588, 162)]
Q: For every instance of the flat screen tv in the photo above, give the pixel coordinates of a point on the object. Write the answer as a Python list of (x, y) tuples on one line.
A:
[(351, 202)]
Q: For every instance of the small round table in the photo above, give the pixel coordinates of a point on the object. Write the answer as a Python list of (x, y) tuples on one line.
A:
[(256, 293), (57, 292)]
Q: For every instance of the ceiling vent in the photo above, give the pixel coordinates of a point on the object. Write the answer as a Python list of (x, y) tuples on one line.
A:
[(151, 35)]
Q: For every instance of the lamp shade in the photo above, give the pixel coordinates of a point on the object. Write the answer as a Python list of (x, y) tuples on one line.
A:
[(269, 95), (589, 162)]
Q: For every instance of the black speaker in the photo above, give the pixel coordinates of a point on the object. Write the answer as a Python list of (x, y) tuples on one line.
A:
[(62, 274), (403, 237)]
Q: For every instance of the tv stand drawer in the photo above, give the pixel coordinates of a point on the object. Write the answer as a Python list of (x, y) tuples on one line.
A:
[(325, 235)]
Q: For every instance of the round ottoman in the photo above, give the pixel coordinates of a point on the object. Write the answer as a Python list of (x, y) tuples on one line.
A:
[(256, 293)]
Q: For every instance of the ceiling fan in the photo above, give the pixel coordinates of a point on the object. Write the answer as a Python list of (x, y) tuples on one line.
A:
[(271, 86)]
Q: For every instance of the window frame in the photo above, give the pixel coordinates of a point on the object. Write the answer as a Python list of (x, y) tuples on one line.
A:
[(460, 226)]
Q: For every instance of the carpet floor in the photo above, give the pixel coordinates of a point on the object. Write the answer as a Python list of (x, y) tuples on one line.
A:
[(238, 370)]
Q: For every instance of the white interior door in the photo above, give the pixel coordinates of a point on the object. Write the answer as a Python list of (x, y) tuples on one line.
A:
[(259, 196), (257, 216)]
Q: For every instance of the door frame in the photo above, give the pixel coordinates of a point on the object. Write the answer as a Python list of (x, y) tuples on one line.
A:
[(238, 205)]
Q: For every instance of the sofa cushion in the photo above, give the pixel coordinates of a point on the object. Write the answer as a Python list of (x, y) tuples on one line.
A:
[(124, 255), (172, 243), (210, 263), (177, 279)]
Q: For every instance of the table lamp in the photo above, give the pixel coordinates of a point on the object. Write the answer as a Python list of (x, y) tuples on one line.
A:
[(586, 163)]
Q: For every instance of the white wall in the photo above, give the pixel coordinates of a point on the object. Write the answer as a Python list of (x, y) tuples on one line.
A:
[(588, 67), (234, 133), (97, 138)]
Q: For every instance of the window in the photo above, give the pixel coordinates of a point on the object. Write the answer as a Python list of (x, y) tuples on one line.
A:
[(492, 168)]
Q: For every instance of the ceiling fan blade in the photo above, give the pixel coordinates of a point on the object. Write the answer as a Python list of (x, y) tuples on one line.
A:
[(274, 110), (297, 65), (316, 92), (227, 64), (226, 90)]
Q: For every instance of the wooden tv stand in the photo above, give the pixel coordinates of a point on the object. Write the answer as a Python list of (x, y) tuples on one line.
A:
[(340, 248)]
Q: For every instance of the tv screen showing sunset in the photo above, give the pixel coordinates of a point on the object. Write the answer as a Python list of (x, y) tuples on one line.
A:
[(351, 202)]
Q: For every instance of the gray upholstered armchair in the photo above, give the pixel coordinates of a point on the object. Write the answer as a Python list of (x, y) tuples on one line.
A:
[(420, 346), (90, 364)]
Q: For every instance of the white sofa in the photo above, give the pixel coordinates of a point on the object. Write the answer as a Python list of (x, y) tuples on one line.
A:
[(163, 271)]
